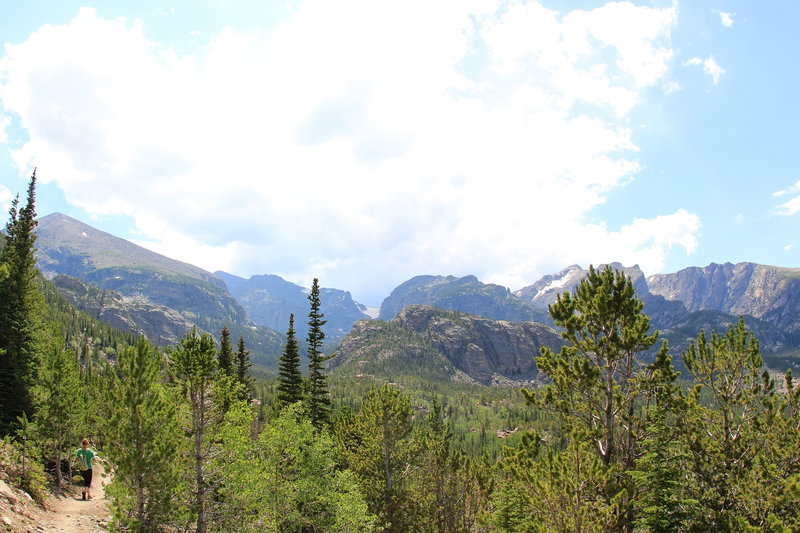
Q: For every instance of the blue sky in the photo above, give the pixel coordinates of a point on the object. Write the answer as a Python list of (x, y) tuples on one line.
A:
[(365, 142)]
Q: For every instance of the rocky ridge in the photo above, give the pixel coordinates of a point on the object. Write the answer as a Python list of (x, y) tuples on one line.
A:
[(466, 294), (135, 314), (455, 344), (766, 292)]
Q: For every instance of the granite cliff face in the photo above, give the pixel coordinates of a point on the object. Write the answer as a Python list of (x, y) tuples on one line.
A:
[(448, 344), (466, 294), (766, 292), (137, 315)]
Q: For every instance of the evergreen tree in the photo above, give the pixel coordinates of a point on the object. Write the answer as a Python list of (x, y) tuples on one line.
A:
[(599, 381), (193, 369), (286, 479), (142, 432), (243, 364), (727, 437), (664, 502), (290, 379), (60, 408), (379, 446), (449, 487), (225, 354), (320, 402), (21, 308)]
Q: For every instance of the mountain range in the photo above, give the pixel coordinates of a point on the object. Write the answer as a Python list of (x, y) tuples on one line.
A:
[(468, 329)]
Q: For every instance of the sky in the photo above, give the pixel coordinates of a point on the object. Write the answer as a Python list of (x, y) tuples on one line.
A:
[(364, 142)]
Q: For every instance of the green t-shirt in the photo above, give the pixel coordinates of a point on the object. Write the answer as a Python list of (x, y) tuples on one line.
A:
[(85, 458)]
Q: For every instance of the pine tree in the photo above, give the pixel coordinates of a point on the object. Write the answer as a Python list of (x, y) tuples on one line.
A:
[(599, 381), (728, 438), (21, 305), (225, 354), (378, 445), (320, 407), (290, 379), (193, 368), (143, 438), (243, 365), (60, 408)]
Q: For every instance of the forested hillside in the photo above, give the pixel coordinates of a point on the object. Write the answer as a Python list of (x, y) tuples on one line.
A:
[(601, 438)]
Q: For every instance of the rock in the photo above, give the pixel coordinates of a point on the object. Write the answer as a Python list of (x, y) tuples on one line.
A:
[(7, 521), (467, 295), (8, 494), (766, 292), (427, 341)]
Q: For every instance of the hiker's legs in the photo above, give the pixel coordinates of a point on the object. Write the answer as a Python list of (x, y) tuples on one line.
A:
[(87, 482)]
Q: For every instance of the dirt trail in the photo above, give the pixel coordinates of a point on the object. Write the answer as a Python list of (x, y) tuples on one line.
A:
[(69, 513)]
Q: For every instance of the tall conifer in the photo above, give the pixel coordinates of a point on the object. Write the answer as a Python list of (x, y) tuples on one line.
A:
[(225, 354), (21, 306), (290, 378), (320, 400), (243, 365), (193, 368), (143, 435)]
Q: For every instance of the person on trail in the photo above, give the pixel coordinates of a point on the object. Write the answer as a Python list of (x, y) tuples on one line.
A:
[(85, 457)]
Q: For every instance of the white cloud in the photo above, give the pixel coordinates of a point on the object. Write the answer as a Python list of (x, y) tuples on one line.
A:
[(359, 142), (5, 198), (725, 18), (710, 67), (788, 247), (791, 190), (791, 206), (4, 123)]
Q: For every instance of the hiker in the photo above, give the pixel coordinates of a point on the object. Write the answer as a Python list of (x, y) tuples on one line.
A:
[(85, 457)]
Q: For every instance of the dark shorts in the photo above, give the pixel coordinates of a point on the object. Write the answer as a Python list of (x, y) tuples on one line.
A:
[(87, 477)]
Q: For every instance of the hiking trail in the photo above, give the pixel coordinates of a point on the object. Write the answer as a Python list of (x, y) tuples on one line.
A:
[(67, 512)]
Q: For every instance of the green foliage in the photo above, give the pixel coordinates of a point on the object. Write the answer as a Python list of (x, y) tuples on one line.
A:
[(319, 401), (545, 489), (664, 503), (193, 370), (286, 478), (21, 310), (243, 377), (61, 409), (290, 378), (450, 488), (21, 463), (600, 385), (225, 353), (378, 445), (726, 436), (143, 442)]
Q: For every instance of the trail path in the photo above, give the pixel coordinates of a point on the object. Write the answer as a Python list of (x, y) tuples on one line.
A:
[(69, 513)]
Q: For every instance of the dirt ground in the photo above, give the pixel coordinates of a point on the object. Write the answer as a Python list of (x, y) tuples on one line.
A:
[(64, 511)]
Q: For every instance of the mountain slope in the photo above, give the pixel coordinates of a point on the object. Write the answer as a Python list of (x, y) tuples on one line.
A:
[(147, 283), (467, 295), (766, 292), (68, 246), (444, 345), (137, 315), (269, 299)]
